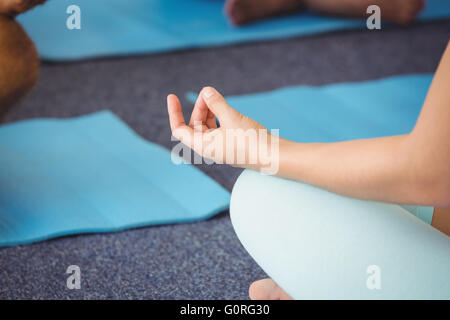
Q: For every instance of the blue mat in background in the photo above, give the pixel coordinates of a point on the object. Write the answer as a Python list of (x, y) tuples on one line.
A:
[(119, 27), (93, 174), (339, 112)]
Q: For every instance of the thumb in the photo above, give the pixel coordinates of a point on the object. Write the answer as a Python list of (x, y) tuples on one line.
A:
[(217, 104)]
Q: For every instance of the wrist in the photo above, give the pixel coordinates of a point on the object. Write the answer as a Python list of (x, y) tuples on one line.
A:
[(279, 152), (291, 159)]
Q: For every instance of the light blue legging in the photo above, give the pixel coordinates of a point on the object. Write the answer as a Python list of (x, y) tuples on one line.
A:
[(319, 245)]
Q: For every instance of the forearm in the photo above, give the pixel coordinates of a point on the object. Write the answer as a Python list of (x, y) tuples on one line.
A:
[(409, 169), (383, 169)]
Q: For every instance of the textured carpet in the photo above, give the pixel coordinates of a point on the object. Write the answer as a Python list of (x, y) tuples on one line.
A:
[(200, 260)]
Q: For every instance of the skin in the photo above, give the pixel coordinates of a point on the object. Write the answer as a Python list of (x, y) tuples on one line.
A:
[(19, 63), (401, 12), (406, 169), (245, 11)]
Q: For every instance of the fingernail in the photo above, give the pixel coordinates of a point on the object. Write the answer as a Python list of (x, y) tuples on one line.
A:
[(208, 93)]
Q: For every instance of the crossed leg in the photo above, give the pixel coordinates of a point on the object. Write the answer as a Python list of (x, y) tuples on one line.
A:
[(318, 245)]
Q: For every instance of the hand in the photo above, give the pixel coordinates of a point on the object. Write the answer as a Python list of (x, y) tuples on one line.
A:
[(14, 7), (239, 141)]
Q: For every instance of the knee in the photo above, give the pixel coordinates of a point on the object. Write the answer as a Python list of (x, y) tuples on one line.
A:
[(251, 205), (19, 62), (241, 200)]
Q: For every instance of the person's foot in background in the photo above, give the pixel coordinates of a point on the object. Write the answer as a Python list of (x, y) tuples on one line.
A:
[(267, 289), (398, 11), (19, 62), (245, 11), (401, 12)]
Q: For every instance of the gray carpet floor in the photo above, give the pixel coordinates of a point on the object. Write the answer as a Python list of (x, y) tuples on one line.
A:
[(201, 260)]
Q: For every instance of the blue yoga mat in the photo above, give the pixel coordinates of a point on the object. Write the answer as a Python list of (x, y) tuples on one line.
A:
[(119, 27), (338, 112), (93, 174)]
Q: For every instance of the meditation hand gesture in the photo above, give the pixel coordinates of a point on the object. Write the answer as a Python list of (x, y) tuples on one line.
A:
[(238, 141)]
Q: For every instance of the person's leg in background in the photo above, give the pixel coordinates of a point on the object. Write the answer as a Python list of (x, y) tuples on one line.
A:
[(245, 11), (401, 12), (397, 11), (19, 62), (319, 245)]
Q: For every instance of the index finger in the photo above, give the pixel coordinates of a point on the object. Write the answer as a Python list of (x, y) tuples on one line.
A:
[(176, 117)]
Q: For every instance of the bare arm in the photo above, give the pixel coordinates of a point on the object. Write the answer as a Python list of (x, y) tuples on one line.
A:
[(407, 169), (411, 169)]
